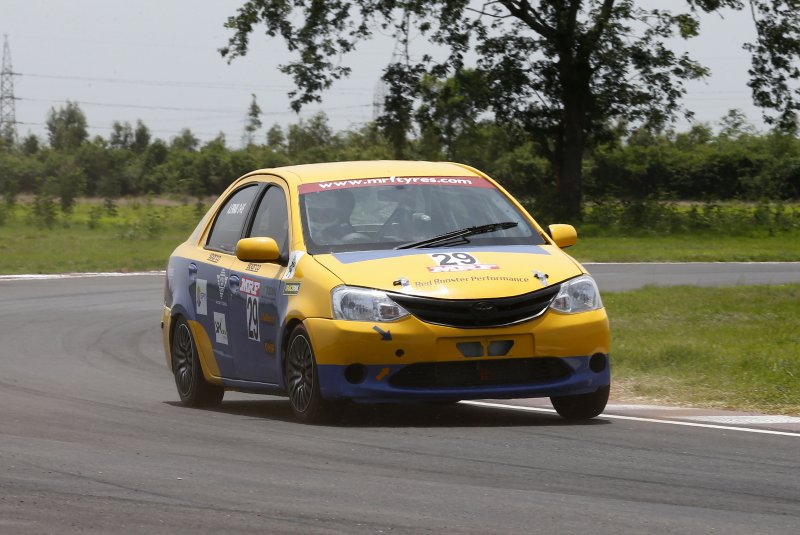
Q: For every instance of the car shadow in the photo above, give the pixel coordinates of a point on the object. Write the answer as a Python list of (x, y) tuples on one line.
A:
[(402, 415)]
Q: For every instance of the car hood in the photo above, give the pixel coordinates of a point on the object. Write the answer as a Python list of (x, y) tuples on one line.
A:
[(462, 273)]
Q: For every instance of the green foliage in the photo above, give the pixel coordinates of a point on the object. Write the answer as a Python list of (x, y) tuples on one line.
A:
[(253, 121), (148, 222), (639, 171), (561, 71), (66, 127), (653, 218), (44, 211), (110, 206), (95, 215)]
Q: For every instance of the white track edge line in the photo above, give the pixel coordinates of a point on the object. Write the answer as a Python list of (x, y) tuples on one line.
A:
[(57, 276), (639, 419)]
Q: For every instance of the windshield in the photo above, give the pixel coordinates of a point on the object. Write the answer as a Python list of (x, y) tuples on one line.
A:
[(384, 213)]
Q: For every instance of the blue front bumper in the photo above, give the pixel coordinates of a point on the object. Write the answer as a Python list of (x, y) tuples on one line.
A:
[(376, 385)]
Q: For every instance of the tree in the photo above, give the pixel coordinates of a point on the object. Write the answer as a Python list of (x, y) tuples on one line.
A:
[(253, 121), (121, 135), (276, 140), (562, 70), (185, 141), (66, 127), (141, 137)]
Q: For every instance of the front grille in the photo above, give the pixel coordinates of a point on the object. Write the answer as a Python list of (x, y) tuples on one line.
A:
[(476, 313), (480, 373)]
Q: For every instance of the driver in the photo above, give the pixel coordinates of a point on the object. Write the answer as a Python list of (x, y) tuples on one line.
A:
[(328, 214)]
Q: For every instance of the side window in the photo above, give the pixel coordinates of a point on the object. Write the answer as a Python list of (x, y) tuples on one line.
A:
[(272, 218), (230, 220)]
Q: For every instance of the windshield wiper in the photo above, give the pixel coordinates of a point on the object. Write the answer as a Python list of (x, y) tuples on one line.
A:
[(459, 235)]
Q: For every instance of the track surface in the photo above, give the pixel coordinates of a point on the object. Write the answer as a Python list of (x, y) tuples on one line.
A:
[(92, 440)]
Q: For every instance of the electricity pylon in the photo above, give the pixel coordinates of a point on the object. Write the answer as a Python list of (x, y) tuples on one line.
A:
[(8, 120)]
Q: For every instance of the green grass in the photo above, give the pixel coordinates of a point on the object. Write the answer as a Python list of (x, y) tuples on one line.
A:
[(142, 234), (138, 237), (700, 247), (717, 347)]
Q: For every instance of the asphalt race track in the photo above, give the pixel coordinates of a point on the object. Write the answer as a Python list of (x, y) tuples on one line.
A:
[(92, 440)]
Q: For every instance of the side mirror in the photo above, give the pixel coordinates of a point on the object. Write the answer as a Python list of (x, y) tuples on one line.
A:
[(257, 250), (564, 235)]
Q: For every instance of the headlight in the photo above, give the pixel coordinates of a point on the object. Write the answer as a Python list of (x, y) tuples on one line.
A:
[(577, 295), (361, 304)]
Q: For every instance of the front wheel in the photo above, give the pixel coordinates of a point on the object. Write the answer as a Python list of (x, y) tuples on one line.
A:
[(193, 388), (581, 406), (302, 379)]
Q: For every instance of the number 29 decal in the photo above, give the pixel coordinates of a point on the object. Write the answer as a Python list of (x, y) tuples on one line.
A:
[(450, 262)]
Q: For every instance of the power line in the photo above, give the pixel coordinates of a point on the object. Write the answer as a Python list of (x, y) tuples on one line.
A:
[(175, 83), (229, 111)]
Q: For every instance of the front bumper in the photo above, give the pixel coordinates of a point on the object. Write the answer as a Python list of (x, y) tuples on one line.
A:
[(361, 361), (374, 383)]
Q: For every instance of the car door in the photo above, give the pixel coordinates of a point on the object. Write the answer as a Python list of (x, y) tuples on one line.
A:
[(213, 275), (254, 311)]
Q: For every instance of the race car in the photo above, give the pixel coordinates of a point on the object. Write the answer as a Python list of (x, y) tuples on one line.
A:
[(382, 281)]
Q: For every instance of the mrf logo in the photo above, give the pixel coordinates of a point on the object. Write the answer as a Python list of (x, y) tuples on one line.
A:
[(249, 286)]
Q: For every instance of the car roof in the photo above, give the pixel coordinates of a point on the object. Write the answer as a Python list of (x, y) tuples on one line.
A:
[(320, 172)]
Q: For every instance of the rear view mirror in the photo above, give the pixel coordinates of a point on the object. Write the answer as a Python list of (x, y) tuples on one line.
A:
[(564, 235), (257, 250)]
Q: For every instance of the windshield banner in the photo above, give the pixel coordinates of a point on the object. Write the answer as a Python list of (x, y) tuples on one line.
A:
[(462, 181)]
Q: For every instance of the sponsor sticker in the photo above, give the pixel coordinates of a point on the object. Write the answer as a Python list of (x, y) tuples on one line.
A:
[(270, 292), (220, 328), (386, 336), (237, 208), (253, 268), (463, 181), (253, 331), (214, 257), (470, 278), (291, 288), (222, 282), (201, 296), (294, 259), (249, 286), (465, 267), (455, 262)]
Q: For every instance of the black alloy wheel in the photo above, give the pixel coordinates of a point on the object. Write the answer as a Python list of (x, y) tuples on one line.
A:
[(302, 380), (193, 388)]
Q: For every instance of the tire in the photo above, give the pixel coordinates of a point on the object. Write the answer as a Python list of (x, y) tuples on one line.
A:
[(193, 388), (302, 379), (581, 406)]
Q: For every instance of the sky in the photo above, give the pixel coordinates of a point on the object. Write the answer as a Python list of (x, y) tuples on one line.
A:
[(158, 61)]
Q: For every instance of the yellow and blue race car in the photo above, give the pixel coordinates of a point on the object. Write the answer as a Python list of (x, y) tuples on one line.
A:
[(382, 281)]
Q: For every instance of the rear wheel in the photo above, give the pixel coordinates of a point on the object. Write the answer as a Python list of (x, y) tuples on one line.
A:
[(581, 406), (193, 388), (302, 380)]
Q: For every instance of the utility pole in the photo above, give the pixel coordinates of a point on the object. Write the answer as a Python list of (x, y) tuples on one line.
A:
[(8, 120)]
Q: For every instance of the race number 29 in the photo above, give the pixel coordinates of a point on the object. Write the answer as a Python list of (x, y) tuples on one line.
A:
[(454, 259), (252, 318)]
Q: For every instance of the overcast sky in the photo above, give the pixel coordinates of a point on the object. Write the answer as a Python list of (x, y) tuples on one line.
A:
[(157, 60)]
